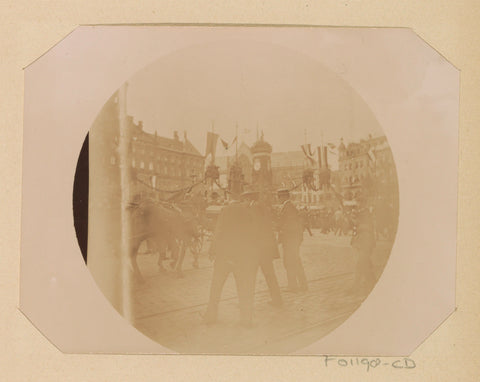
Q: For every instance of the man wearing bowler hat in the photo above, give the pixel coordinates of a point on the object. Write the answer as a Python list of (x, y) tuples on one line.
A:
[(233, 250), (291, 236)]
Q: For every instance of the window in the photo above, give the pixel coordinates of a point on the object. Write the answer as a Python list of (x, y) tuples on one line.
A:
[(142, 164), (150, 166), (112, 159), (133, 163)]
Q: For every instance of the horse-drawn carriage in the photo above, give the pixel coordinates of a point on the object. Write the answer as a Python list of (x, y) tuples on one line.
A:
[(169, 229)]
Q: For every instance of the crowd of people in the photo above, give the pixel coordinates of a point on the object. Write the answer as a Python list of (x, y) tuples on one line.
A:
[(247, 236)]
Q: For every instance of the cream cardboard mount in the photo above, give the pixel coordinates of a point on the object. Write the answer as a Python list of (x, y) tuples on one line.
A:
[(412, 91)]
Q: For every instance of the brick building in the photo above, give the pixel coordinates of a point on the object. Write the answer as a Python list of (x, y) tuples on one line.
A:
[(157, 163), (166, 164)]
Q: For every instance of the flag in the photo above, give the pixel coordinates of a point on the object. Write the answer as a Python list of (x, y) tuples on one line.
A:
[(224, 143), (319, 153), (211, 144), (322, 153), (307, 150), (310, 150), (331, 146), (371, 154), (325, 156), (234, 140)]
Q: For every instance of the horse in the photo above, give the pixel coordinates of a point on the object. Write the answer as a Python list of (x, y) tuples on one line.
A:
[(164, 227)]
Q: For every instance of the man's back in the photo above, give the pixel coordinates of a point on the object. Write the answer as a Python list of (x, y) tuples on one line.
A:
[(234, 232), (264, 239), (290, 223)]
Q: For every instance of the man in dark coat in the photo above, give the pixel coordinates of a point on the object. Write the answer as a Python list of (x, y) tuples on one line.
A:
[(291, 236), (266, 244), (234, 252)]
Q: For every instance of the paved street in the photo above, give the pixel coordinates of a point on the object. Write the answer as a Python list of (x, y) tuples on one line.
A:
[(169, 309)]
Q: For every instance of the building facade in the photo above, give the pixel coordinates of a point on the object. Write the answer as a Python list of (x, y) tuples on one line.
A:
[(164, 164), (366, 168), (159, 165), (259, 164)]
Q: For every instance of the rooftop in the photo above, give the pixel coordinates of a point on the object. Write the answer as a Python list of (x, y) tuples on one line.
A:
[(172, 144)]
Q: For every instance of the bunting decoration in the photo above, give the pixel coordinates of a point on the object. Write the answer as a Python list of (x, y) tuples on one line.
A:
[(224, 143), (307, 150), (211, 145), (319, 153), (325, 156)]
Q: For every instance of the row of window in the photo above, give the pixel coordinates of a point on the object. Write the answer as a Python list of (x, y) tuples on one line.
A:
[(158, 166), (388, 174), (354, 178), (290, 163), (171, 158), (166, 170), (354, 165), (380, 160)]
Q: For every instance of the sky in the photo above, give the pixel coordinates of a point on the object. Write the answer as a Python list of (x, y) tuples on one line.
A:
[(289, 96)]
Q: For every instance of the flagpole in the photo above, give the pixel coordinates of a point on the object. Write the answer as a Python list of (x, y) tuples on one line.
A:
[(236, 143)]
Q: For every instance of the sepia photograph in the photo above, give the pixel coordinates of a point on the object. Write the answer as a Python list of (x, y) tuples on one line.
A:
[(266, 193), (236, 197)]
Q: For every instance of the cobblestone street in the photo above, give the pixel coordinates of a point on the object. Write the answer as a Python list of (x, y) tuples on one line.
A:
[(169, 309)]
